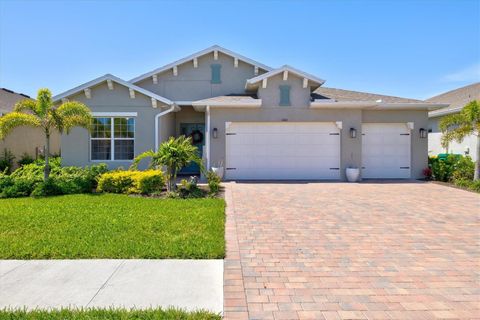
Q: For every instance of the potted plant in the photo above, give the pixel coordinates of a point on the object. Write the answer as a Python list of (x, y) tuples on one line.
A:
[(352, 173)]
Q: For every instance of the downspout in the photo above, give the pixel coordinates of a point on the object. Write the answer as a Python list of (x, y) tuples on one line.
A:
[(208, 137), (161, 114)]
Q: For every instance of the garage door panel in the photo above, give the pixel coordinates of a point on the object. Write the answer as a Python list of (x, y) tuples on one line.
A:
[(385, 150), (279, 150)]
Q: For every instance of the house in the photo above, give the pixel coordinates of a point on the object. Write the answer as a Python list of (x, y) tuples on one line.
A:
[(256, 121), (457, 99), (24, 140)]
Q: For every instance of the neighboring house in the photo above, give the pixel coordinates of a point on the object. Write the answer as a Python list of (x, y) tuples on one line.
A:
[(23, 139), (256, 121), (457, 99)]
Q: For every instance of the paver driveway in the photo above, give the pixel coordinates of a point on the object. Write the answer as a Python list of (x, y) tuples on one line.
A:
[(351, 251)]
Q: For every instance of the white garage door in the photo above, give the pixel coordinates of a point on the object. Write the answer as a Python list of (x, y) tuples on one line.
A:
[(282, 150), (385, 151)]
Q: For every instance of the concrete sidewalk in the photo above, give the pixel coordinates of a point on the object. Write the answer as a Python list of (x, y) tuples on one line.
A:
[(189, 284)]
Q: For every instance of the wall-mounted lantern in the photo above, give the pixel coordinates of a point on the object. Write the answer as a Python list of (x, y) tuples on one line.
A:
[(423, 133), (353, 133), (215, 133)]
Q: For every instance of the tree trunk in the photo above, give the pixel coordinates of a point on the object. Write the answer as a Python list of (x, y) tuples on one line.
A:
[(477, 163), (46, 170), (174, 180), (169, 179)]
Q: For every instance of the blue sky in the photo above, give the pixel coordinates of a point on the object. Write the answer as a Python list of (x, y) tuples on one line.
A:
[(406, 48)]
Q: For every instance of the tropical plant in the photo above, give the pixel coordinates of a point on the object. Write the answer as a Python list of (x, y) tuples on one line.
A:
[(174, 154), (6, 160), (42, 113), (25, 159), (213, 182), (28, 179), (460, 125)]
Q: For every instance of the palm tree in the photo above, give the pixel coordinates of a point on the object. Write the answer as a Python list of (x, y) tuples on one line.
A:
[(174, 154), (43, 114), (460, 125)]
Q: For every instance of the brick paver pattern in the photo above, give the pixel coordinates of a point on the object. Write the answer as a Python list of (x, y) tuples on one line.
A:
[(351, 251)]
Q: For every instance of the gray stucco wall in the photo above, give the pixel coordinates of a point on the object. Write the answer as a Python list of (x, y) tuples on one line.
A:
[(434, 124), (75, 146), (194, 83), (299, 97), (351, 149), (188, 115)]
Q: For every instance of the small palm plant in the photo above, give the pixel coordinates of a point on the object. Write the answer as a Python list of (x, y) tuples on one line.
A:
[(460, 125), (174, 154), (43, 114)]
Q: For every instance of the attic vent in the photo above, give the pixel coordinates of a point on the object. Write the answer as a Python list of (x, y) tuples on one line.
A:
[(216, 73), (284, 95)]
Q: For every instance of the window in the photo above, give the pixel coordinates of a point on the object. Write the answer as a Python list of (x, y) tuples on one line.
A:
[(117, 146), (284, 95), (216, 73)]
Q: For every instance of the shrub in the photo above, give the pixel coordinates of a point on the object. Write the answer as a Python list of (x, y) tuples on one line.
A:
[(78, 180), (47, 188), (25, 159), (189, 189), (63, 180), (148, 182), (20, 187), (468, 184), (213, 182), (464, 169), (6, 161), (141, 182), (451, 168), (443, 168), (115, 182), (427, 173)]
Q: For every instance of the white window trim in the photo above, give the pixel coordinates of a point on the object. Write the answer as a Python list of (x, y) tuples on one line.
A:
[(112, 116)]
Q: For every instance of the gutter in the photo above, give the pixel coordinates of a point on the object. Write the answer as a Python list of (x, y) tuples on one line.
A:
[(174, 107)]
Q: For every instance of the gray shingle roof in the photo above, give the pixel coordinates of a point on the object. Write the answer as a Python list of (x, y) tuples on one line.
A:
[(348, 95), (228, 99), (8, 98), (457, 99)]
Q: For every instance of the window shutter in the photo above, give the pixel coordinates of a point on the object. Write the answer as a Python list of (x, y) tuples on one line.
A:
[(216, 73), (285, 95)]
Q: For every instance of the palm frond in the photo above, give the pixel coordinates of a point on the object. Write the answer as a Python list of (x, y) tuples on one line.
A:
[(26, 105), (44, 101), (13, 120), (140, 157), (71, 114), (458, 126)]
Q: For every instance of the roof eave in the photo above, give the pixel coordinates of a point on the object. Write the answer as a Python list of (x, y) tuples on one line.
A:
[(253, 83), (201, 105), (375, 105), (196, 55), (113, 78), (440, 112)]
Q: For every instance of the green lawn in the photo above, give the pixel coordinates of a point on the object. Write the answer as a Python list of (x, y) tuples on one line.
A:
[(111, 226), (91, 314)]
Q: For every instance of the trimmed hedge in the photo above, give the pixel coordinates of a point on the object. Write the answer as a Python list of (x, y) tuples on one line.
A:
[(137, 182)]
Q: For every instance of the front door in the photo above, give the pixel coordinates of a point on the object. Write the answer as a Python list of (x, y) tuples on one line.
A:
[(197, 133)]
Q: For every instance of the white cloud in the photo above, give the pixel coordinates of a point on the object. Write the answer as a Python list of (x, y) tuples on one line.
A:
[(468, 74)]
